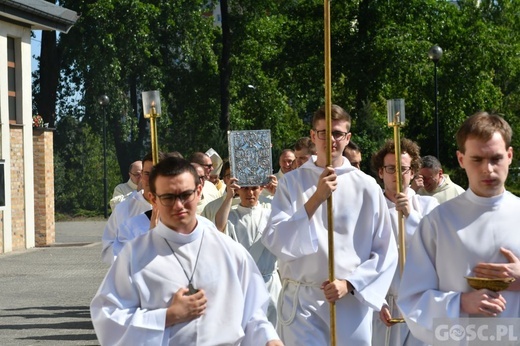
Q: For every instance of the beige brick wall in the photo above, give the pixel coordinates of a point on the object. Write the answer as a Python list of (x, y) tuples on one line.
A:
[(43, 156), (44, 187), (17, 188)]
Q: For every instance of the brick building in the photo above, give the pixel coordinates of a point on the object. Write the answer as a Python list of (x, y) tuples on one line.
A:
[(26, 154)]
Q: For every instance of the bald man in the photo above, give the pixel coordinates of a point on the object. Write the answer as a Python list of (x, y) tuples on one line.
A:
[(124, 189)]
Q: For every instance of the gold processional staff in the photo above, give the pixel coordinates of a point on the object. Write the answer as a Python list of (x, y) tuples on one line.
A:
[(152, 110), (396, 118), (328, 132)]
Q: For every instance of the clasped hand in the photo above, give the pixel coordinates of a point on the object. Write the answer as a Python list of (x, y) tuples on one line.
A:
[(185, 307)]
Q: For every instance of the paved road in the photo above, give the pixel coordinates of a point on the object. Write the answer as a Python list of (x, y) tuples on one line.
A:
[(45, 292)]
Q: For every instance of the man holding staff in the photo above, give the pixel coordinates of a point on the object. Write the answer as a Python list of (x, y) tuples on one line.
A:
[(297, 234), (413, 207)]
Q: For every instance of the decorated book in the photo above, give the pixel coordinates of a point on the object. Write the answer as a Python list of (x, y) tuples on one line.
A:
[(250, 156)]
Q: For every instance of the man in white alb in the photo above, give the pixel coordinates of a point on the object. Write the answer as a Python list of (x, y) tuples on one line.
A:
[(413, 207), (211, 209), (135, 204), (122, 190), (473, 234), (184, 282), (245, 223), (365, 249)]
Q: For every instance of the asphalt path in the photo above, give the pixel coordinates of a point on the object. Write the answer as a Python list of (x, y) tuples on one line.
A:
[(45, 292)]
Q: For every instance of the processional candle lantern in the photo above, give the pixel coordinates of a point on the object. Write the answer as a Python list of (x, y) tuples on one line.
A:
[(152, 110), (396, 119)]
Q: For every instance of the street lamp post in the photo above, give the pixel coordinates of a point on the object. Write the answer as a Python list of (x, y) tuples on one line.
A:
[(435, 54), (103, 102)]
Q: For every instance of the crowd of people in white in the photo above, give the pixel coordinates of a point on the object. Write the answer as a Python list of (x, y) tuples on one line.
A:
[(197, 259)]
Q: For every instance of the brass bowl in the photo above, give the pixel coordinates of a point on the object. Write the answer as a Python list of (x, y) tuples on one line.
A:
[(491, 284), (396, 320)]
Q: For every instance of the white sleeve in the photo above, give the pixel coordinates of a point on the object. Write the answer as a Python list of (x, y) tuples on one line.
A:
[(258, 330), (289, 234), (117, 316), (420, 299), (108, 238)]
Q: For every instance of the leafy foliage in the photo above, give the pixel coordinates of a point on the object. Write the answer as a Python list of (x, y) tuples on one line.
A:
[(379, 51)]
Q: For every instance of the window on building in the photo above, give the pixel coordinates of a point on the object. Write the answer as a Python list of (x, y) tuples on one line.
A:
[(11, 78)]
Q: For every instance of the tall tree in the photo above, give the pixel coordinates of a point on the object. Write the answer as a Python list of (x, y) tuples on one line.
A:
[(48, 76)]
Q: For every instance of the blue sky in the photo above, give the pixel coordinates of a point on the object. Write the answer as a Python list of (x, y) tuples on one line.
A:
[(35, 47)]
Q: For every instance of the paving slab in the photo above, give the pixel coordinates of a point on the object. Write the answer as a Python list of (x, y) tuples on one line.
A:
[(46, 292)]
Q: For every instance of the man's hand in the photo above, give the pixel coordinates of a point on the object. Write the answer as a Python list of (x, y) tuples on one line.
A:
[(336, 289), (272, 185), (274, 343), (385, 316), (232, 188), (417, 182), (501, 270), (327, 183), (185, 308), (402, 204), (482, 302)]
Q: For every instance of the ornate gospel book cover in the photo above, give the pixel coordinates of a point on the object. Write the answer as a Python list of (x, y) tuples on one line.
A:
[(250, 156)]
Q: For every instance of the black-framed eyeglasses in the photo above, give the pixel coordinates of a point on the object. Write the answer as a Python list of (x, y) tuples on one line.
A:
[(337, 135), (168, 199), (391, 169), (202, 177), (209, 165), (138, 174)]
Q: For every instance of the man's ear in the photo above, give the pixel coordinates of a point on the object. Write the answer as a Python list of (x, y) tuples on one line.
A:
[(460, 159), (312, 135), (152, 198)]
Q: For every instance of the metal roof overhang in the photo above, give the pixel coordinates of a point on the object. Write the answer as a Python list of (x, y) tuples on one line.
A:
[(38, 14)]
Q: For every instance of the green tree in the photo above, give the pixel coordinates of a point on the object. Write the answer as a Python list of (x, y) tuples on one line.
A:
[(264, 69)]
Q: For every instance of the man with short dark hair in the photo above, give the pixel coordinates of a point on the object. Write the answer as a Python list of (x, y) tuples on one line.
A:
[(353, 154), (204, 160), (209, 191), (184, 282), (304, 148), (473, 234)]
